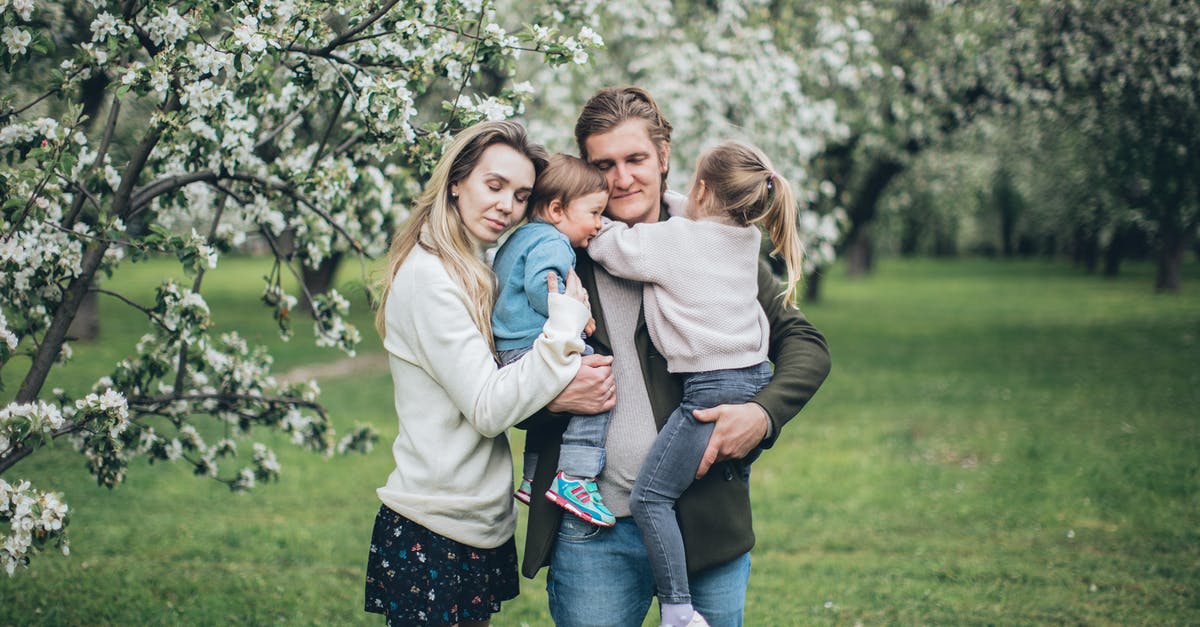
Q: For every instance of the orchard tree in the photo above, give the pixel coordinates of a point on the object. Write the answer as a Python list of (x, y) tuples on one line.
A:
[(718, 71), (914, 72), (1126, 77), (131, 129)]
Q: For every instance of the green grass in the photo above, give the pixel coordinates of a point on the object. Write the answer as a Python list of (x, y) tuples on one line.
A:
[(998, 443)]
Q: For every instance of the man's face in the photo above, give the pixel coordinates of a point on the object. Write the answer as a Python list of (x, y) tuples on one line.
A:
[(634, 169)]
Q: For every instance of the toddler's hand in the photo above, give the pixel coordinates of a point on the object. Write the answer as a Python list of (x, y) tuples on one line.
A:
[(590, 328)]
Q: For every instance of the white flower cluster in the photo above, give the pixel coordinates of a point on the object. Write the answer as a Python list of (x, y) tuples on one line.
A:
[(757, 94), (34, 519), (271, 125), (21, 422), (182, 311), (819, 234), (15, 38), (8, 339), (330, 326), (107, 412), (264, 468)]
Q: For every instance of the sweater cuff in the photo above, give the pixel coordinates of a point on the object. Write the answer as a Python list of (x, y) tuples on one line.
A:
[(567, 319)]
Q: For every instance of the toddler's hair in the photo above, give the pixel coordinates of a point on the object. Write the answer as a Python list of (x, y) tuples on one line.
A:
[(742, 182), (565, 178)]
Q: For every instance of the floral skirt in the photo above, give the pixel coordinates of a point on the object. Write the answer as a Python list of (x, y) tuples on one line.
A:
[(418, 577)]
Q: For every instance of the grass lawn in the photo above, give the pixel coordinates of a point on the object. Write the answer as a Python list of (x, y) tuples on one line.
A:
[(999, 443)]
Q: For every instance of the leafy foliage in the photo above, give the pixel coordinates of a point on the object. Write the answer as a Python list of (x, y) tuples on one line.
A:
[(136, 129)]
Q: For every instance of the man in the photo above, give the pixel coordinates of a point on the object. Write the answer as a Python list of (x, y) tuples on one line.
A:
[(601, 576)]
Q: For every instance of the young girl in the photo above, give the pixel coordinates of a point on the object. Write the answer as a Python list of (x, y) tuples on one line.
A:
[(565, 209), (702, 312), (442, 550)]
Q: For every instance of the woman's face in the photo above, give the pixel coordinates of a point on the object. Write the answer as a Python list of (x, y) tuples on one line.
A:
[(493, 196)]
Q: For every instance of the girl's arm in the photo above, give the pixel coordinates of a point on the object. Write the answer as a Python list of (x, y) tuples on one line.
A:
[(439, 335), (626, 252)]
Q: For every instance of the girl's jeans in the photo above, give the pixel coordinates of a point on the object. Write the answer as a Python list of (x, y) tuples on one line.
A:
[(671, 466)]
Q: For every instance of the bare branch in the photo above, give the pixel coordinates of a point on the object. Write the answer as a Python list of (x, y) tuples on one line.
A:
[(19, 110), (363, 25), (150, 314), (467, 75), (333, 119), (283, 124)]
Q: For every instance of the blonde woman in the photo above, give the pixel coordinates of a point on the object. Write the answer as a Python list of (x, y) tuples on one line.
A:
[(442, 551)]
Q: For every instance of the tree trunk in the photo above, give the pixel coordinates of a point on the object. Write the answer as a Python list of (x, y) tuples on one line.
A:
[(812, 287), (859, 257), (1087, 247), (318, 280), (1115, 252), (862, 212), (86, 324), (1170, 262)]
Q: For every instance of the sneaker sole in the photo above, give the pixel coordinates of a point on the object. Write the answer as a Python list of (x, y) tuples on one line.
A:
[(522, 497), (570, 507)]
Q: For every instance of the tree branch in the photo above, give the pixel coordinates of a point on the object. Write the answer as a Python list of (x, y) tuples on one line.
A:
[(363, 25)]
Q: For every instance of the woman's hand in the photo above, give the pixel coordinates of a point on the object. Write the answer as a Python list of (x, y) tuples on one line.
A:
[(574, 287)]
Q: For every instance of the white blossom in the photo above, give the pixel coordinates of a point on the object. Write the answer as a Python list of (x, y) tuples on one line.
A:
[(16, 39), (23, 9)]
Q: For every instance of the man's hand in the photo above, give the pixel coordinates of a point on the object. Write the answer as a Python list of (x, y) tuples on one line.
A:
[(739, 429), (592, 391)]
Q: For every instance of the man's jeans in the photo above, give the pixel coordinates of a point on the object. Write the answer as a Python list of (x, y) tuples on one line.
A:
[(600, 577)]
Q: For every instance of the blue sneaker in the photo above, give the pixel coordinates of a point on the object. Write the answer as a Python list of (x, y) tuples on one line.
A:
[(582, 498), (523, 493)]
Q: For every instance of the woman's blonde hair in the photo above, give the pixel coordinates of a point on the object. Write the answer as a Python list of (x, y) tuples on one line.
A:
[(742, 183), (436, 225)]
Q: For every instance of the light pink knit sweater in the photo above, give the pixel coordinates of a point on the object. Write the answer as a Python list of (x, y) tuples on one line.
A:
[(701, 288)]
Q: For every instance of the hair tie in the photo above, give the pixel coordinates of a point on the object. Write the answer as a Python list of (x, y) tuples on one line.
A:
[(770, 180)]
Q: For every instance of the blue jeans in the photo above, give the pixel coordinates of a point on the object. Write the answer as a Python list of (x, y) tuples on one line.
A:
[(582, 452), (671, 465), (601, 577)]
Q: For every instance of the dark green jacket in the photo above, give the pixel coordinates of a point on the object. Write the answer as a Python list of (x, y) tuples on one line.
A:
[(714, 513)]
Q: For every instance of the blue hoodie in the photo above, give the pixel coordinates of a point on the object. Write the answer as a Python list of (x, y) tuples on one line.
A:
[(521, 265)]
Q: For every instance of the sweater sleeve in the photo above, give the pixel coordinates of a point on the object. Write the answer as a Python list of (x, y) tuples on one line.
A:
[(552, 255), (798, 351), (626, 252), (445, 342)]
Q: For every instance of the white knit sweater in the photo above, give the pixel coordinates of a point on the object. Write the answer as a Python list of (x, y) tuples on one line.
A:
[(701, 288), (453, 466)]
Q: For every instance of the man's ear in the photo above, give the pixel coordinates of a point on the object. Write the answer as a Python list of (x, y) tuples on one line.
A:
[(664, 158)]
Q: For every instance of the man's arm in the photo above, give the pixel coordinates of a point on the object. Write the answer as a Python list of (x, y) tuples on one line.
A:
[(801, 359)]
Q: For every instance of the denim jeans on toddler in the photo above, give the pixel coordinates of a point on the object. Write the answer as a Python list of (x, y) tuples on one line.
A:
[(671, 465), (582, 452)]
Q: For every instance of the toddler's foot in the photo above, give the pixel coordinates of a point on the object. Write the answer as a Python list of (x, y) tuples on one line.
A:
[(580, 497), (523, 493)]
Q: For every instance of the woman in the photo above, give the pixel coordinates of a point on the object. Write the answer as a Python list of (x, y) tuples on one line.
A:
[(442, 551)]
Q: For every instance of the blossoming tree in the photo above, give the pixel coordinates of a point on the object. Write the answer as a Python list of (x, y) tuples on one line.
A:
[(137, 128), (1125, 76), (719, 72)]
